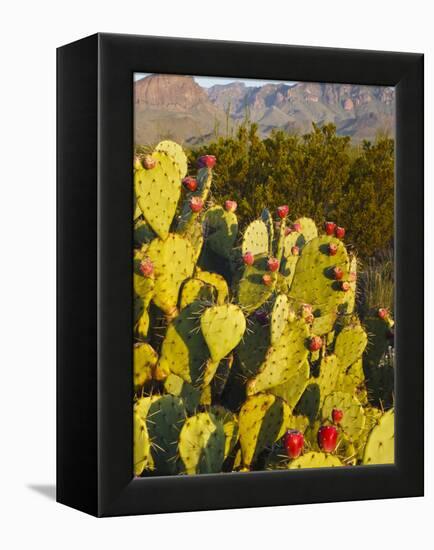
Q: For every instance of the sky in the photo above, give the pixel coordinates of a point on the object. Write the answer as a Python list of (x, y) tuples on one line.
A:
[(208, 81)]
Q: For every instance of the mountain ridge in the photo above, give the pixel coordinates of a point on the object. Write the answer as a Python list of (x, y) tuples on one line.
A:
[(177, 107)]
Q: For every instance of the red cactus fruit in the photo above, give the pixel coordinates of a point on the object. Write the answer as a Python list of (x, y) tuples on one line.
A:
[(337, 415), (293, 441), (315, 343), (340, 232), (296, 227), (207, 161), (288, 231), (146, 267), (190, 183), (267, 279), (337, 273), (295, 251), (382, 313), (230, 206), (345, 286), (327, 438), (333, 248), (273, 264), (329, 228), (352, 277), (149, 162), (248, 258), (196, 204), (283, 211)]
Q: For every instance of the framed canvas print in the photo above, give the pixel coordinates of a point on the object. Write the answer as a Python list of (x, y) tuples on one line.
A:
[(240, 288)]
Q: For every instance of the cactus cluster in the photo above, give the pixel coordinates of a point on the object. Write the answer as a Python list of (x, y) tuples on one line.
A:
[(249, 353)]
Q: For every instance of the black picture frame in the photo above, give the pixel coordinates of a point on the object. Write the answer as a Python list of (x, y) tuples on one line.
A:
[(94, 296)]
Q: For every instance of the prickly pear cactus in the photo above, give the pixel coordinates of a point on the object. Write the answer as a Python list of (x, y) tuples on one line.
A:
[(173, 261), (256, 238), (380, 446), (315, 460), (158, 191), (222, 327), (242, 333), (263, 419), (202, 444)]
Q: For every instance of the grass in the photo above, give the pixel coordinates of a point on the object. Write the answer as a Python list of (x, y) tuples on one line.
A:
[(377, 284)]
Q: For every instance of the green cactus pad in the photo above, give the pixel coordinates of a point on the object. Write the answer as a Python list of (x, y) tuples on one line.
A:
[(328, 376), (308, 229), (292, 390), (202, 444), (141, 446), (289, 260), (157, 192), (141, 326), (217, 281), (173, 263), (267, 218), (353, 421), (380, 446), (252, 292), (352, 380), (283, 359), (221, 230), (279, 317), (230, 427), (313, 282), (184, 351), (164, 421), (315, 460), (350, 344), (252, 350), (221, 375), (176, 153), (222, 327), (309, 403), (323, 324), (175, 385), (378, 344), (195, 290), (256, 238), (263, 419), (145, 359)]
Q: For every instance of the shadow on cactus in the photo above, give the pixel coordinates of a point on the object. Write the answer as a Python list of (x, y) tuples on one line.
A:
[(249, 351)]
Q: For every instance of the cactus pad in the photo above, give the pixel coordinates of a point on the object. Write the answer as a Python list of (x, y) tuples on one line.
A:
[(315, 460), (279, 317), (184, 351), (307, 229), (350, 344), (252, 292), (252, 349), (141, 446), (222, 327), (173, 263), (195, 290), (353, 421), (230, 427), (293, 389), (380, 446), (263, 419), (157, 192), (176, 153), (283, 359), (202, 444), (217, 281), (175, 385), (313, 282), (221, 230), (145, 359), (328, 376), (256, 238)]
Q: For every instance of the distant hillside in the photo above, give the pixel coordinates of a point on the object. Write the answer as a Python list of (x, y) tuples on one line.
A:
[(176, 107)]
